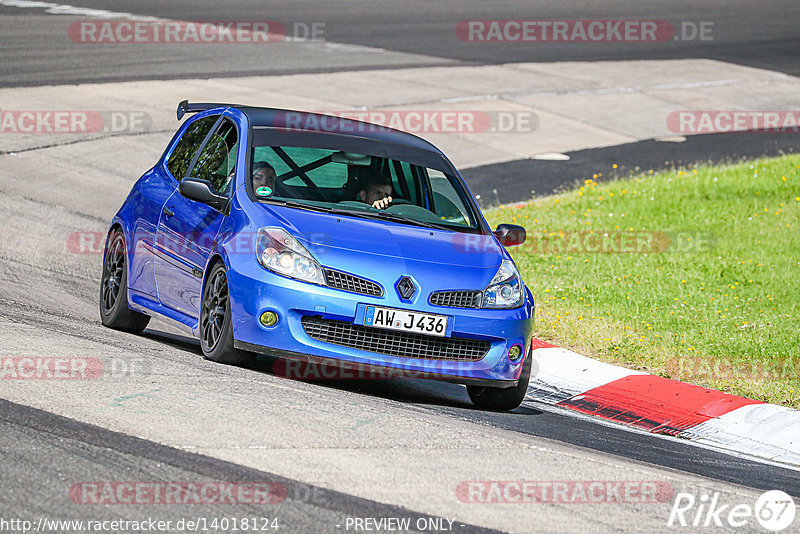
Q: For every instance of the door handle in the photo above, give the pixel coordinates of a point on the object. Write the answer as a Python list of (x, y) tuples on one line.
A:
[(168, 212)]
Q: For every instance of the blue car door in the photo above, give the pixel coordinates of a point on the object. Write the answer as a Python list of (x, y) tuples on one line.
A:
[(186, 228), (152, 192)]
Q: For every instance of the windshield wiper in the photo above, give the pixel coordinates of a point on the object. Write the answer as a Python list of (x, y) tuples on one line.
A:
[(298, 205), (396, 217), (386, 215), (322, 209)]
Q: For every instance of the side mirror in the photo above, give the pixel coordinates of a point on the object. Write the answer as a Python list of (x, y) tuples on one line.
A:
[(202, 191), (510, 235)]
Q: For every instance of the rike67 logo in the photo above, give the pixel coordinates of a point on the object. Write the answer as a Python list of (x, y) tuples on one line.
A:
[(774, 510)]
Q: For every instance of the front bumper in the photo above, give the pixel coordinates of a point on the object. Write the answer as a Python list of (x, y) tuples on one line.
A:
[(257, 290)]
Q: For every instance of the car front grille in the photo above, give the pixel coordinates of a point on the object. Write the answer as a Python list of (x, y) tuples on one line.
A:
[(351, 283), (388, 342), (456, 299)]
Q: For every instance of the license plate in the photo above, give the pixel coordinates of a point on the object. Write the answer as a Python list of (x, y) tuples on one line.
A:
[(406, 321)]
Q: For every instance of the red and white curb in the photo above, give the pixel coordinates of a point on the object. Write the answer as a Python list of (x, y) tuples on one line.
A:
[(650, 403)]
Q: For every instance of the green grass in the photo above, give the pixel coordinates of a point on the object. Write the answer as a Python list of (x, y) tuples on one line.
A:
[(711, 294)]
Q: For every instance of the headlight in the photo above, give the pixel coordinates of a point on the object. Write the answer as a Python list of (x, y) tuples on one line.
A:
[(283, 254), (506, 289)]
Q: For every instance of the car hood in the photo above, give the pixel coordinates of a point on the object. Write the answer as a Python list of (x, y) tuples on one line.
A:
[(344, 239)]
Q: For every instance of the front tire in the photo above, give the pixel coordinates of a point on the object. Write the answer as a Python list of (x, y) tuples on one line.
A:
[(503, 399), (114, 310), (216, 330)]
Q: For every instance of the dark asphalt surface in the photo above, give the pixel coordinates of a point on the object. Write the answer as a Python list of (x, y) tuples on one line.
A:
[(37, 48), (518, 180), (551, 424), (43, 455)]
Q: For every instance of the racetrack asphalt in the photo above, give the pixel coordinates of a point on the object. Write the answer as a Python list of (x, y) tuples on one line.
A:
[(386, 35), (513, 181), (38, 445), (404, 443)]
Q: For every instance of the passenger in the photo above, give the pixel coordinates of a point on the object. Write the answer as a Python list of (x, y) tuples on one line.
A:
[(377, 193), (263, 178)]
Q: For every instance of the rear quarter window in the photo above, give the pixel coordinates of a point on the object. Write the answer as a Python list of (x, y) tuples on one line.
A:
[(181, 157)]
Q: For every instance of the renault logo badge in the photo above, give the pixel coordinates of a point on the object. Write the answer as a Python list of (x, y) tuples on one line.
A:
[(406, 288)]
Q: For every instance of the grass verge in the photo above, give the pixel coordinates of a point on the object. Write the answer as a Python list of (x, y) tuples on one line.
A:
[(691, 274)]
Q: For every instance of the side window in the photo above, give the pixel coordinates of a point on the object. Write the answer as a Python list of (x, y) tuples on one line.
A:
[(447, 203), (192, 138), (217, 161)]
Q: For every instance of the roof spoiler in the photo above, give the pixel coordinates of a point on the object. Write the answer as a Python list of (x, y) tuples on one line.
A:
[(186, 107)]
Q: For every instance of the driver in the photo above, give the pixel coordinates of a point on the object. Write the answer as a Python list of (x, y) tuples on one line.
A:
[(377, 193)]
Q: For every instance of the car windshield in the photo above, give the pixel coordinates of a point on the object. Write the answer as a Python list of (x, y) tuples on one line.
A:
[(361, 185)]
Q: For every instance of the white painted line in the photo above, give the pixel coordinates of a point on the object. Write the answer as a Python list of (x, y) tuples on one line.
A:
[(552, 156), (656, 87), (66, 9), (473, 98), (346, 47)]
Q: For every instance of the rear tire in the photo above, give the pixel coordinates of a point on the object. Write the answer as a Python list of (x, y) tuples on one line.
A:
[(114, 310), (216, 330), (503, 399)]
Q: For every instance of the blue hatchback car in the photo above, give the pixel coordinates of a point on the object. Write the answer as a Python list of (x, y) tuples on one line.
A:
[(315, 238)]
